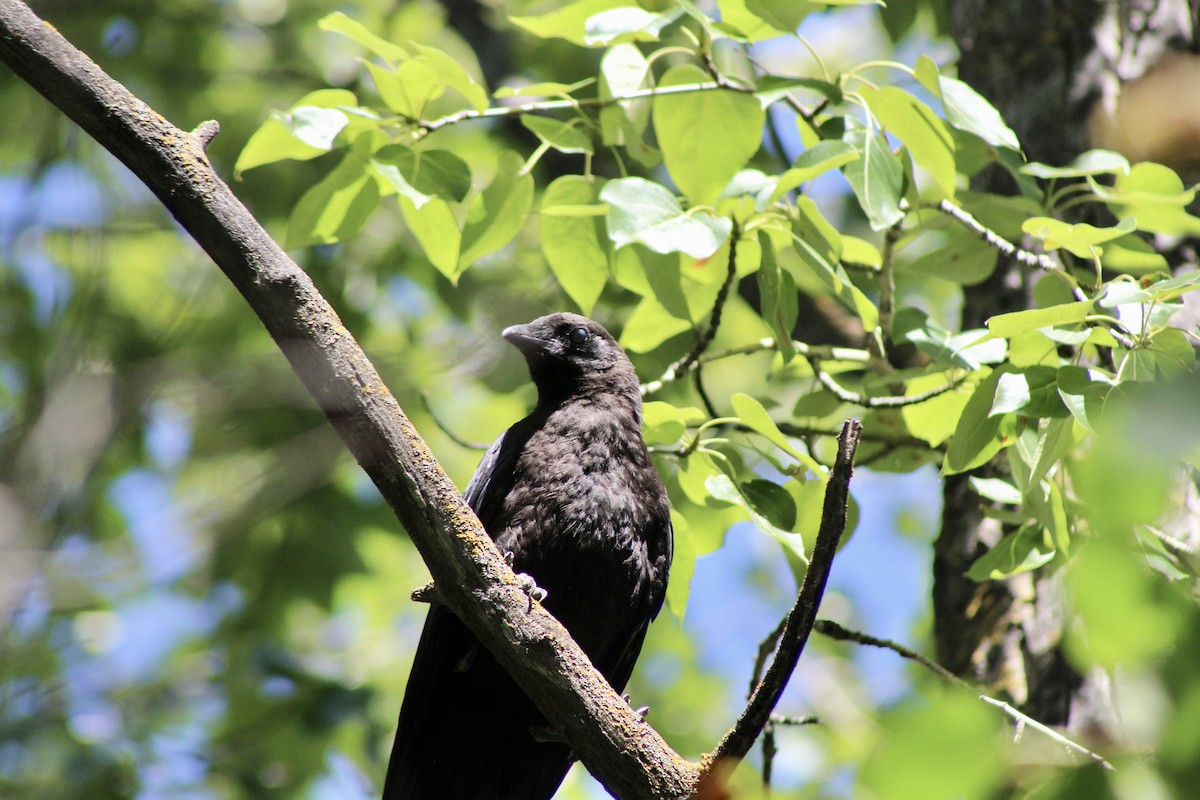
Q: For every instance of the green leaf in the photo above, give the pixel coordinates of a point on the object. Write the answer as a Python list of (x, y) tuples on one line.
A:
[(777, 290), (452, 74), (1173, 352), (1125, 292), (1123, 620), (575, 247), (568, 22), (754, 416), (938, 746), (773, 88), (705, 136), (408, 88), (783, 15), (683, 564), (1093, 162), (996, 490), (565, 136), (1154, 195), (663, 423), (1055, 438), (820, 246), (876, 177), (623, 70), (498, 212), (1007, 325), (542, 89), (936, 419), (813, 162), (306, 130), (977, 437), (645, 212), (963, 258), (921, 131), (1022, 550), (1080, 239), (338, 22), (338, 205), (650, 325), (627, 24), (437, 230), (965, 108), (1033, 391), (740, 22), (747, 495), (421, 175), (1083, 391)]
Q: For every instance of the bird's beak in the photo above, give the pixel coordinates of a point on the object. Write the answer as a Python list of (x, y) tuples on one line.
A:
[(525, 338)]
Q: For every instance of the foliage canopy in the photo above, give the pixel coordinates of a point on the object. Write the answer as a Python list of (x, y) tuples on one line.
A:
[(213, 612)]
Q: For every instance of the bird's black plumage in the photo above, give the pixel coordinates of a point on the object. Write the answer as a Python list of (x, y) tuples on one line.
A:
[(570, 490)]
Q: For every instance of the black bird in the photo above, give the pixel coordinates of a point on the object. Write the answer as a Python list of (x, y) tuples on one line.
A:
[(571, 493)]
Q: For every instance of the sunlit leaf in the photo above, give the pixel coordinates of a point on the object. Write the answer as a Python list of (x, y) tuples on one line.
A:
[(1093, 162), (568, 22), (646, 212), (977, 437), (423, 174), (1022, 550), (705, 136), (307, 130), (1006, 325), (922, 132), (965, 108), (628, 23), (876, 176), (575, 247), (340, 23), (437, 230), (565, 136), (498, 212)]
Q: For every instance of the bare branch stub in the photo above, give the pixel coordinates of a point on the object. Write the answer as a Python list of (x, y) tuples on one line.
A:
[(799, 623)]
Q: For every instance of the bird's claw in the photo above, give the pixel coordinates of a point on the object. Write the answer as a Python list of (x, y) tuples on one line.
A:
[(641, 711), (531, 589), (424, 594)]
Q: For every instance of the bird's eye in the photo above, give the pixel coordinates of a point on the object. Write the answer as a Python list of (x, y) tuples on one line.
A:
[(579, 336)]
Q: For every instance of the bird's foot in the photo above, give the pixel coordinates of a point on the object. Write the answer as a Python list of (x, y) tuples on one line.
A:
[(425, 594), (529, 586), (641, 711)]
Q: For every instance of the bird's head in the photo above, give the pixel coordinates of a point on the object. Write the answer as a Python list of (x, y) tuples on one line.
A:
[(569, 354)]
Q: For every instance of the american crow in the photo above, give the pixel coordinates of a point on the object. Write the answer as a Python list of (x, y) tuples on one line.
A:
[(571, 492)]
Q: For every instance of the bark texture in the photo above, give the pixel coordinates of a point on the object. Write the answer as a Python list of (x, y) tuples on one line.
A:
[(1044, 64)]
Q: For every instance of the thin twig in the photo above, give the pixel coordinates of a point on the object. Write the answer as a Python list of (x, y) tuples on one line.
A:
[(821, 351), (1026, 257), (835, 631), (690, 359), (883, 437), (500, 112), (769, 747), (466, 444), (897, 401), (749, 726), (765, 648)]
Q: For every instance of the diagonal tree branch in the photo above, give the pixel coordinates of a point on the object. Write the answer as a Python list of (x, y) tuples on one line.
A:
[(619, 748), (799, 622)]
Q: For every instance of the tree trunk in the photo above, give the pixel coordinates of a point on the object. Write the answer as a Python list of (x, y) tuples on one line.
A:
[(1045, 64)]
